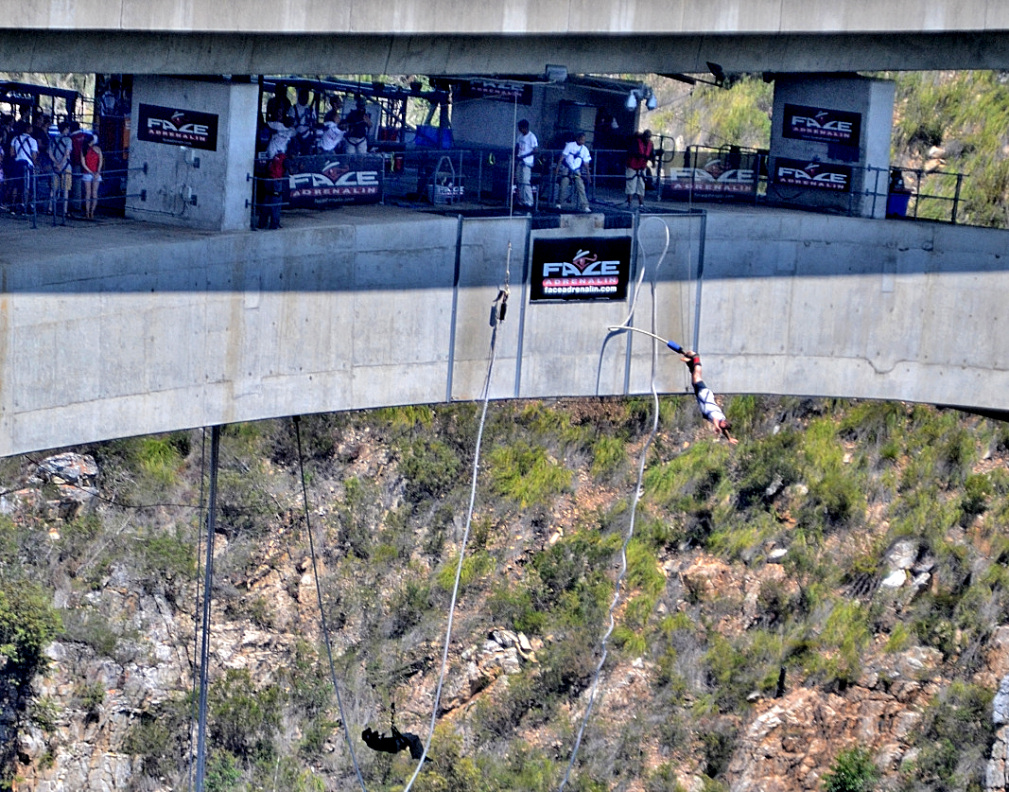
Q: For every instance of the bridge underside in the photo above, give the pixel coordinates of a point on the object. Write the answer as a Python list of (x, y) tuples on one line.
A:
[(134, 52)]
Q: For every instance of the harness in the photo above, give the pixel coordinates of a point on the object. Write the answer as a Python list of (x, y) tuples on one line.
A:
[(707, 404), (61, 148), (24, 150)]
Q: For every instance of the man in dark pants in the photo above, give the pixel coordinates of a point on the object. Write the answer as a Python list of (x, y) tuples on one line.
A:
[(705, 398)]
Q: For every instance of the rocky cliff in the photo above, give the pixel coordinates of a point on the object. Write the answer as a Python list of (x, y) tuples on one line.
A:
[(833, 587)]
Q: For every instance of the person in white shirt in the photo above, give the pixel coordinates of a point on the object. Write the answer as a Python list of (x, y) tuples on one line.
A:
[(526, 146), (573, 167), (25, 152)]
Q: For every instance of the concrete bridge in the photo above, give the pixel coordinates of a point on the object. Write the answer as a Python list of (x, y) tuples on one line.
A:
[(510, 36), (130, 328)]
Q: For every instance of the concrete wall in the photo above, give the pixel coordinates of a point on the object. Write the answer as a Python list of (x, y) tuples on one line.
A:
[(156, 329), (510, 37), (514, 16), (177, 176)]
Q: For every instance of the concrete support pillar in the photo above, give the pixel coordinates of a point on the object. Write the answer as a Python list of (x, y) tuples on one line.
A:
[(192, 147)]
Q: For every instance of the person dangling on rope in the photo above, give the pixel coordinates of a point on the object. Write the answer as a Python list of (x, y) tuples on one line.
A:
[(397, 741), (705, 398)]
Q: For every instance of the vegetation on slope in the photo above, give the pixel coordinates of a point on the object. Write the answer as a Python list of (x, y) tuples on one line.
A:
[(832, 484)]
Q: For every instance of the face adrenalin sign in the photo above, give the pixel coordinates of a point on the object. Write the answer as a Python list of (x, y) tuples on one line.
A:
[(580, 269), (817, 123), (177, 127), (817, 175)]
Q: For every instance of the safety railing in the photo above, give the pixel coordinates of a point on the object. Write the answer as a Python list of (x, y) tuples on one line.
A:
[(917, 193), (703, 173)]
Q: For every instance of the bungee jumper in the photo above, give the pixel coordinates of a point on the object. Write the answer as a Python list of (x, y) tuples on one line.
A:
[(397, 741), (705, 397)]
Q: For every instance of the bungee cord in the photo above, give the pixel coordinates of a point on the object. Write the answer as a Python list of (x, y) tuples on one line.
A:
[(196, 615), (618, 584), (500, 304), (322, 612)]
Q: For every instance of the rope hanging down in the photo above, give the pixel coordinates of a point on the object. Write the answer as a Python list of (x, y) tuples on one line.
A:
[(604, 642), (322, 612), (498, 315)]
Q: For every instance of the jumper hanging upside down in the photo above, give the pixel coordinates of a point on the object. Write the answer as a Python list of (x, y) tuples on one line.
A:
[(705, 398)]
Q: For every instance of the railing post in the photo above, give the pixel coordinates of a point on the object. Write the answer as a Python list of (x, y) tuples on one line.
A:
[(956, 197)]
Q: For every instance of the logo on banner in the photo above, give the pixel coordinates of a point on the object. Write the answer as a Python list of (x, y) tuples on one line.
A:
[(712, 180), (816, 123), (819, 175), (581, 269), (321, 180), (177, 127)]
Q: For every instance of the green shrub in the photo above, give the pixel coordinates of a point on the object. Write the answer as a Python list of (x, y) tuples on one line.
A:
[(474, 567), (955, 739), (164, 558), (160, 737), (515, 606), (431, 468), (609, 454), (767, 466), (28, 622), (977, 490), (525, 474), (243, 719), (852, 771)]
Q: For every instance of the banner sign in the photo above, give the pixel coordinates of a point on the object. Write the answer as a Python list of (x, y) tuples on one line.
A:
[(705, 181), (580, 269), (177, 127), (816, 123), (496, 89), (819, 175), (317, 180)]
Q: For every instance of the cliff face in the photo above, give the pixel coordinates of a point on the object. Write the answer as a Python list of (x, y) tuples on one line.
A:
[(832, 585)]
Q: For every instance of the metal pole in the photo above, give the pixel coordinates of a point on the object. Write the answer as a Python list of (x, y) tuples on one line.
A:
[(208, 580)]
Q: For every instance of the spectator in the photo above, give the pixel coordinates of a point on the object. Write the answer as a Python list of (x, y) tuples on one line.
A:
[(77, 137), (273, 191), (92, 161), (332, 137), (40, 132), (640, 155), (304, 117), (111, 103), (358, 124), (280, 140), (62, 174), (573, 167), (25, 152), (526, 146), (335, 112), (279, 106), (6, 137)]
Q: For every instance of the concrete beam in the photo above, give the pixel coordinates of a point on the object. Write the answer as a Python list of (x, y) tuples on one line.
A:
[(228, 53), (523, 17)]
